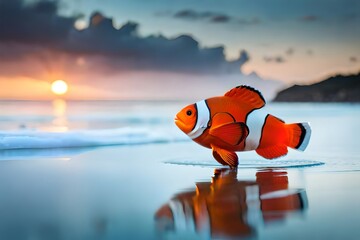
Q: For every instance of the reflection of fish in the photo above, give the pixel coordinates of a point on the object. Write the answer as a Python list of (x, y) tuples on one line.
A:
[(228, 208), (238, 122)]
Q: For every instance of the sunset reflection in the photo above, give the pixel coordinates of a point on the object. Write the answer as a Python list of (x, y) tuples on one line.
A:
[(59, 113)]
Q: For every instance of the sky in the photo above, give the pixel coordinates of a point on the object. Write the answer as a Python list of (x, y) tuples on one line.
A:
[(124, 49)]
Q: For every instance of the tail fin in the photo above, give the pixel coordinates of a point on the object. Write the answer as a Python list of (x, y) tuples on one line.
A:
[(299, 135)]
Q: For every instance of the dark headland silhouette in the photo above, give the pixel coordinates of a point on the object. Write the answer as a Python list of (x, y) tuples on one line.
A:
[(338, 88)]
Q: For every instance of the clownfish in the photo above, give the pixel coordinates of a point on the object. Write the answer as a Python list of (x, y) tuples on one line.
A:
[(238, 122)]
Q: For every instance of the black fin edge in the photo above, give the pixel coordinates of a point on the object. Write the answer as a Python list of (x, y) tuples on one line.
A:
[(253, 90), (302, 136)]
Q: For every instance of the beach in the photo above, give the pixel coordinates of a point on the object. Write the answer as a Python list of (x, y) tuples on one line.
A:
[(154, 183)]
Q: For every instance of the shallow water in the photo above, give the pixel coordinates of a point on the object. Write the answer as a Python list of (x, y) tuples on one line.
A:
[(174, 190)]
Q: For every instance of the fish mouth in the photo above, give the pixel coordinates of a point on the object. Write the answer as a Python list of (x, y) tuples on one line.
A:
[(179, 123)]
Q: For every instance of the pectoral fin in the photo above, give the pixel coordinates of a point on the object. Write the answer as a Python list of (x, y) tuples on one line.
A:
[(231, 133), (225, 157), (221, 118)]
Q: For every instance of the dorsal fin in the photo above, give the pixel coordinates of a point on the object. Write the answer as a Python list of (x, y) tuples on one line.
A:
[(247, 94)]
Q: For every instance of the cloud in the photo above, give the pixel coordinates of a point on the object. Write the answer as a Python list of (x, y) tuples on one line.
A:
[(309, 52), (38, 24), (353, 59), (276, 59), (42, 45), (220, 19), (290, 51), (213, 17), (129, 50), (189, 14)]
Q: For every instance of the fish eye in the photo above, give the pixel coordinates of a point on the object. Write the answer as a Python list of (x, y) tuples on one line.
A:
[(188, 112)]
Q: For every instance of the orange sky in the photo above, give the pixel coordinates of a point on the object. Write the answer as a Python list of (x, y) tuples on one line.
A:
[(22, 88)]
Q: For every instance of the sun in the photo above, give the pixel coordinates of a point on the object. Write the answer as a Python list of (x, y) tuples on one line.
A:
[(59, 87)]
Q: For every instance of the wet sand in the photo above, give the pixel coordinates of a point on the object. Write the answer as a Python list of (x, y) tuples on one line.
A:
[(130, 192)]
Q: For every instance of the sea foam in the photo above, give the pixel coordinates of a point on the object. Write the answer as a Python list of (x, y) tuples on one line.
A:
[(26, 139)]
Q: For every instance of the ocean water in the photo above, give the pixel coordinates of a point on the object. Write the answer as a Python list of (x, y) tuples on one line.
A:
[(122, 170), (61, 124)]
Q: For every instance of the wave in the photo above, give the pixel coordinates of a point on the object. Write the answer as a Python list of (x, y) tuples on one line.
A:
[(27, 139)]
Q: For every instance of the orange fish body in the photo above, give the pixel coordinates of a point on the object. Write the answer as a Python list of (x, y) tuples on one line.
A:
[(237, 121)]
